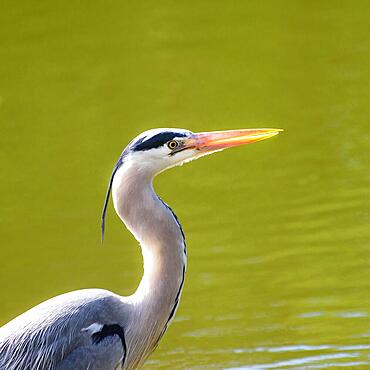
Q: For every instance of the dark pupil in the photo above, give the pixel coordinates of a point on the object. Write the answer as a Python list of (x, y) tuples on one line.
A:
[(172, 144)]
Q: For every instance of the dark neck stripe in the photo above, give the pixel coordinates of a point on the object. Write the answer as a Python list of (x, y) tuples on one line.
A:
[(177, 298), (173, 310), (177, 222)]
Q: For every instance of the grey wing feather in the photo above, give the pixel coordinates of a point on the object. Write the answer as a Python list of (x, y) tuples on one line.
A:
[(108, 354), (48, 334)]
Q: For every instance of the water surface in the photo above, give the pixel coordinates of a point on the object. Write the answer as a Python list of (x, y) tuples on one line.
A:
[(278, 232)]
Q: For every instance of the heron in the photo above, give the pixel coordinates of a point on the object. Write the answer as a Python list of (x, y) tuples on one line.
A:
[(97, 329)]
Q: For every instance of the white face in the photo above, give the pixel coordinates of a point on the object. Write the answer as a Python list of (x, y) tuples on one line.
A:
[(157, 150)]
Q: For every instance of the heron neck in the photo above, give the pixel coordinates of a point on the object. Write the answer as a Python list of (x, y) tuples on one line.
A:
[(163, 248)]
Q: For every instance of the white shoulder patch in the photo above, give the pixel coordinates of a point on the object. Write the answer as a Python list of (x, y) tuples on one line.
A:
[(93, 328)]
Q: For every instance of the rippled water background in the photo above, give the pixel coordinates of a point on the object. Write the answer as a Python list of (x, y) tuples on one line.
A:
[(278, 232)]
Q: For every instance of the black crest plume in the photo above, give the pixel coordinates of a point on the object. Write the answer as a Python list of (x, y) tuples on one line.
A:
[(109, 190)]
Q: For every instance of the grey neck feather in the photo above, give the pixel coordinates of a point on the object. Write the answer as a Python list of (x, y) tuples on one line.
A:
[(163, 247)]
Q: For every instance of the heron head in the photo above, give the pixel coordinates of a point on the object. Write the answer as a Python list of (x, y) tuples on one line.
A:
[(159, 149), (156, 150)]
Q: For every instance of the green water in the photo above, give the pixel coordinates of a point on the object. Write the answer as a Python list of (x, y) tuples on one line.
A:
[(278, 232)]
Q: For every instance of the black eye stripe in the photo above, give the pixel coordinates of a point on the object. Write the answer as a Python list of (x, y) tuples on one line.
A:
[(156, 141)]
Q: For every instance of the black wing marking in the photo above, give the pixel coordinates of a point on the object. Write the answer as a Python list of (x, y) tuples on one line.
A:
[(109, 330)]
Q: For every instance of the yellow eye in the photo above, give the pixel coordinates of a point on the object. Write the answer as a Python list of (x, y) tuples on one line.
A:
[(172, 144)]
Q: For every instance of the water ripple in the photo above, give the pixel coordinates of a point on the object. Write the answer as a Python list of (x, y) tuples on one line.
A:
[(298, 361), (303, 347)]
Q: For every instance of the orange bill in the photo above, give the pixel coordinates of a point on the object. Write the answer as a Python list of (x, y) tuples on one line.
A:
[(217, 140)]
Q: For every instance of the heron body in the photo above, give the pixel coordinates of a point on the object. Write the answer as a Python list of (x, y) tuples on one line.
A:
[(96, 329)]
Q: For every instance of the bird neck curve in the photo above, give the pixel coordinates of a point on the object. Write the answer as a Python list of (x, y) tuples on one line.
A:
[(162, 242)]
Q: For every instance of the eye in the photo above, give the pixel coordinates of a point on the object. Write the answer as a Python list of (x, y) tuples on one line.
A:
[(172, 144)]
